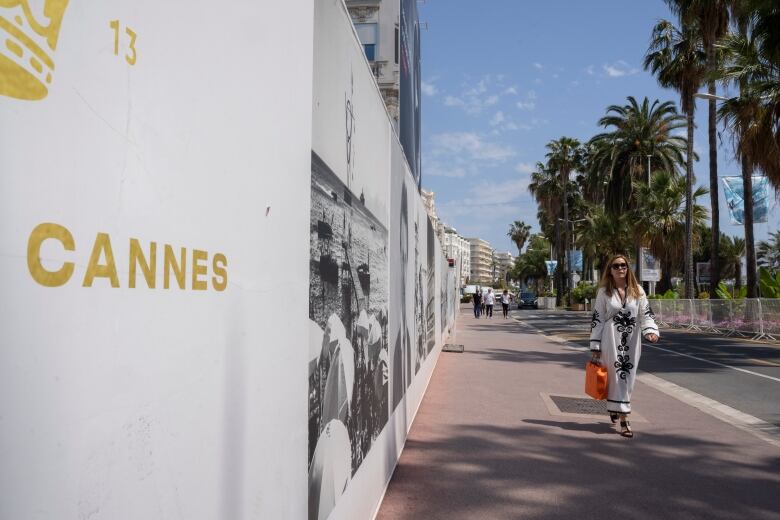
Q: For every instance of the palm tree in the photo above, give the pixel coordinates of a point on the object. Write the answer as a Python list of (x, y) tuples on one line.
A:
[(769, 252), (661, 217), (752, 61), (564, 156), (678, 60), (711, 19), (603, 234), (732, 250), (637, 131), (518, 233)]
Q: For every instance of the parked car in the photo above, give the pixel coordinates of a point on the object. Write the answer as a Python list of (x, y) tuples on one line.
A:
[(527, 299)]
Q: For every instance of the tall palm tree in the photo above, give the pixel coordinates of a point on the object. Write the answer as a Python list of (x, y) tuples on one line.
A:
[(678, 60), (564, 156), (769, 252), (636, 132), (518, 233), (603, 234), (661, 217), (548, 192), (732, 250), (711, 19), (752, 61)]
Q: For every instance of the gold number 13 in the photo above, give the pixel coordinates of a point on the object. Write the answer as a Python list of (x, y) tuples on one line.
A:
[(130, 58)]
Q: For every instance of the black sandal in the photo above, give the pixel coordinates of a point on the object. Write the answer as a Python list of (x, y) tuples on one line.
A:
[(626, 429), (613, 416)]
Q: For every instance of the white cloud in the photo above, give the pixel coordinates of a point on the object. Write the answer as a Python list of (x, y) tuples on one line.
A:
[(538, 66), (531, 94), (429, 89), (618, 69), (470, 145), (524, 168), (525, 105), (590, 70), (497, 119), (452, 101), (475, 98), (489, 201)]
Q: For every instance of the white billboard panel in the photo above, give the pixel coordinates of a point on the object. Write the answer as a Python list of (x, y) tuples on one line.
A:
[(152, 161)]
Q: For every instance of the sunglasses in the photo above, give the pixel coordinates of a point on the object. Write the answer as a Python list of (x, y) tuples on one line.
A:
[(619, 266)]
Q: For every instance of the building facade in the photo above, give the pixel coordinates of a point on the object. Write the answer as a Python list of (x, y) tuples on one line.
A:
[(481, 261), (377, 23), (459, 249), (504, 262)]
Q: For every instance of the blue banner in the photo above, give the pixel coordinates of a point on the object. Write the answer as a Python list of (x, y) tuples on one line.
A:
[(732, 187), (551, 265), (576, 260)]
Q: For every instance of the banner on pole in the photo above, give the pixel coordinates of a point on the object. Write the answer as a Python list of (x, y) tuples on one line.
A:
[(733, 189), (576, 260), (551, 265), (650, 267)]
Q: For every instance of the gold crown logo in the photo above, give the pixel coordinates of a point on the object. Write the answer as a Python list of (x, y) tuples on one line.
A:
[(27, 47)]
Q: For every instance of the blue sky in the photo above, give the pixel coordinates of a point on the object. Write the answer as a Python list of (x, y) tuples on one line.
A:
[(501, 78)]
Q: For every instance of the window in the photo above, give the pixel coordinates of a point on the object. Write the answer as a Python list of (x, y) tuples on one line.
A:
[(370, 50), (367, 33), (397, 45)]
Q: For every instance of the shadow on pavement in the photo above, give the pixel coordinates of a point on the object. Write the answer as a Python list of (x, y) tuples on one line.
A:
[(483, 471)]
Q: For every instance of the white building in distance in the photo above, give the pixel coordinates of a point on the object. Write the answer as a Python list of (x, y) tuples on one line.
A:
[(459, 249), (504, 262), (481, 262)]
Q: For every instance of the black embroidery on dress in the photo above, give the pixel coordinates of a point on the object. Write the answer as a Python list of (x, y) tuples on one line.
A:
[(594, 320), (649, 312), (625, 325)]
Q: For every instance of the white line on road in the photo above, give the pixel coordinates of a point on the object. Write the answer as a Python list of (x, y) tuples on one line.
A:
[(716, 363)]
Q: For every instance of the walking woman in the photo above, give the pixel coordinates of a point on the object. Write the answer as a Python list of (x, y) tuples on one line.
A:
[(505, 303), (621, 317)]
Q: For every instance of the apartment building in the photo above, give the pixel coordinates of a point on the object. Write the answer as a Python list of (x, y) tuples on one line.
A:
[(459, 249), (481, 261), (378, 26), (504, 262)]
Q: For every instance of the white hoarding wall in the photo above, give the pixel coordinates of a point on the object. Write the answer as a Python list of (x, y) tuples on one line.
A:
[(381, 297), (154, 209)]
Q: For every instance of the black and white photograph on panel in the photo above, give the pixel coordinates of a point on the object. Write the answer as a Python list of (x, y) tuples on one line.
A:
[(348, 318), (402, 225), (420, 287), (430, 300), (445, 305)]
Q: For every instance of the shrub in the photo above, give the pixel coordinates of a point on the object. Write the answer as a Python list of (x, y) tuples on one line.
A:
[(704, 295)]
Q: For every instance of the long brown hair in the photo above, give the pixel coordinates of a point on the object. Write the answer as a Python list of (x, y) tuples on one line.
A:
[(608, 283)]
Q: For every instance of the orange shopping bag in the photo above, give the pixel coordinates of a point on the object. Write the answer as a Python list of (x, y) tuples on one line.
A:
[(596, 380)]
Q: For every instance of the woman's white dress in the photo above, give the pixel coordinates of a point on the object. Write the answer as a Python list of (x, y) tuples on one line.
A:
[(617, 328)]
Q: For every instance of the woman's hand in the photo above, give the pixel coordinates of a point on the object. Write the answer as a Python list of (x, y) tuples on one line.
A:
[(652, 338), (595, 356)]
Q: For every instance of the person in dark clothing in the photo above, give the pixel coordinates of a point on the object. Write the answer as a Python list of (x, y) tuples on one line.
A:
[(505, 299), (477, 303)]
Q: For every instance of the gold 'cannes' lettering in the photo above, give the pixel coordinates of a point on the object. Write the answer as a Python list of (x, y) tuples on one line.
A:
[(102, 264)]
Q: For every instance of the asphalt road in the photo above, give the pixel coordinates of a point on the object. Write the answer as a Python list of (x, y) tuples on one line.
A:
[(737, 372)]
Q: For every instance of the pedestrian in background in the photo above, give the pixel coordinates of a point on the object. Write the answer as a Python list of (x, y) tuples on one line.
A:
[(621, 317), (505, 299), (490, 300), (477, 302)]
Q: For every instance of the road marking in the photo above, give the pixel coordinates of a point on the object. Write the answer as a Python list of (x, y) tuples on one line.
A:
[(763, 430), (716, 363)]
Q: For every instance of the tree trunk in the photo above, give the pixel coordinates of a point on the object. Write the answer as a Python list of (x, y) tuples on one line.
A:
[(666, 277), (567, 255), (715, 208), (559, 268), (688, 276), (750, 245)]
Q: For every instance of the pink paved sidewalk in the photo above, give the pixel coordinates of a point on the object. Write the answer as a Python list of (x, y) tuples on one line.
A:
[(484, 446)]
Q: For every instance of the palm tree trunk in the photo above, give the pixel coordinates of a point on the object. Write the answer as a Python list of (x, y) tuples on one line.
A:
[(688, 277), (567, 255), (715, 208), (559, 269), (750, 246)]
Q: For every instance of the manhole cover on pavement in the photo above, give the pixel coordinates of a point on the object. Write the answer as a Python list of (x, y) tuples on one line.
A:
[(579, 405)]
